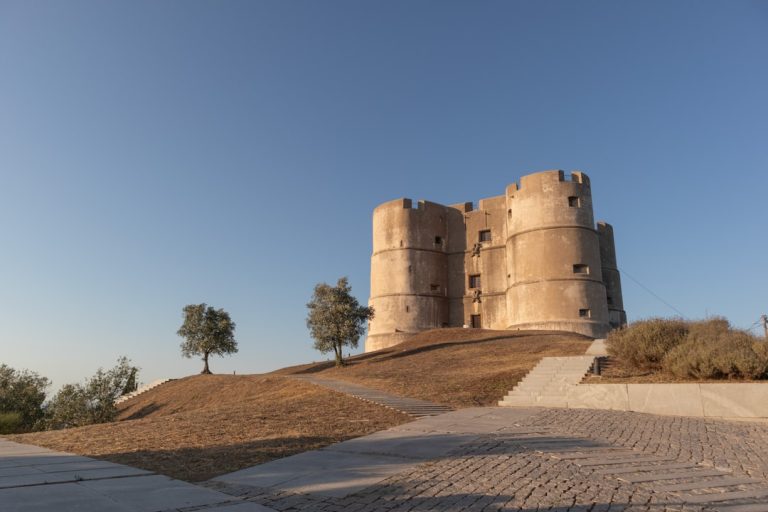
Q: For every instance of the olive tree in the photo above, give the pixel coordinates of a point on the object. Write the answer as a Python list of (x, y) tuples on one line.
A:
[(336, 319), (93, 401), (22, 394), (207, 331)]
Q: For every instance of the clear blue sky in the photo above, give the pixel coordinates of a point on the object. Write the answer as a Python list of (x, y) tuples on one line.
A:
[(156, 154)]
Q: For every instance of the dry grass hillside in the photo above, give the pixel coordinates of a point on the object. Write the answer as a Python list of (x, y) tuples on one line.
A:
[(207, 425), (199, 427), (457, 367)]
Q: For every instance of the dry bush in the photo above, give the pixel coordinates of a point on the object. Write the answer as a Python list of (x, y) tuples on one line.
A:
[(713, 350), (643, 344)]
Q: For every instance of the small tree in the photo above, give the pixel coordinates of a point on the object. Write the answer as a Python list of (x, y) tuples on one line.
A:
[(207, 331), (336, 319), (93, 401), (22, 394)]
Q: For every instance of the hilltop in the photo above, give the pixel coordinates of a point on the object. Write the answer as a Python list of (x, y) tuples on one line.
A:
[(202, 426), (198, 427), (456, 367)]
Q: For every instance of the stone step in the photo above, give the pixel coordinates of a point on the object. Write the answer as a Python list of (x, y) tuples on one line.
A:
[(707, 484), (754, 507), (646, 468), (639, 479), (516, 401), (620, 462), (143, 389), (554, 379), (725, 496), (556, 374), (547, 384), (588, 458), (557, 402)]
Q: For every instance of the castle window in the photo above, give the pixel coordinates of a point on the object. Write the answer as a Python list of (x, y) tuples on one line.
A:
[(474, 321), (610, 300), (407, 309), (474, 281), (581, 268), (574, 202), (434, 287), (438, 240), (585, 313), (485, 235)]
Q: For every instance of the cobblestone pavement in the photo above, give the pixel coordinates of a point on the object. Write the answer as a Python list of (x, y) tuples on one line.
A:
[(586, 461), (740, 446)]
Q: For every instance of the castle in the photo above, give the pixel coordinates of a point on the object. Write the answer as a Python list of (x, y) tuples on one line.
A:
[(530, 259)]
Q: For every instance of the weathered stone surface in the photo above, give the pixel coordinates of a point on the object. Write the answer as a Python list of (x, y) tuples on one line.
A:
[(731, 400), (513, 470), (35, 479), (532, 258), (597, 348), (598, 396), (670, 399), (737, 400)]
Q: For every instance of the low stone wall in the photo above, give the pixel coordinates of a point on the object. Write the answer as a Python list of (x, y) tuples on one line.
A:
[(707, 400)]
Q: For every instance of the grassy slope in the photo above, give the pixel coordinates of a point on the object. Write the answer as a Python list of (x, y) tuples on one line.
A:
[(199, 427), (458, 367)]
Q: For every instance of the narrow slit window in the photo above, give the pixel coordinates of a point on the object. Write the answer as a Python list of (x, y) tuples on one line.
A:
[(581, 268), (574, 202), (407, 309), (474, 321), (485, 235), (585, 313), (438, 240), (474, 281), (434, 287)]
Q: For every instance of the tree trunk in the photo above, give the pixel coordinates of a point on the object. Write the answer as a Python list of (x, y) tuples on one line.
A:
[(206, 370), (339, 359)]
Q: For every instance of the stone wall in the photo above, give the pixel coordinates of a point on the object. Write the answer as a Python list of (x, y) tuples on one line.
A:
[(707, 400), (528, 259)]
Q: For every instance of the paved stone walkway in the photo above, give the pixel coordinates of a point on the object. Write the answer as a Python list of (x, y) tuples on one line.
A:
[(36, 479), (482, 459), (529, 460), (410, 406)]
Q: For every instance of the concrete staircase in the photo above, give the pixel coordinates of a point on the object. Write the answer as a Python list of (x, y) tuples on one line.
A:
[(547, 384), (142, 389)]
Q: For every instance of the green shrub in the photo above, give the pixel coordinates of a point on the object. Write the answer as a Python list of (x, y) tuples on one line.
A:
[(713, 350), (643, 344), (10, 422), (93, 401), (22, 393)]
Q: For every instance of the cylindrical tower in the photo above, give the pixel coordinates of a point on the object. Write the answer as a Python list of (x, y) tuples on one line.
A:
[(409, 271), (553, 256), (611, 277)]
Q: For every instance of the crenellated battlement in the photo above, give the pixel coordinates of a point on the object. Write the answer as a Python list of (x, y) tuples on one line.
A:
[(405, 203), (532, 258), (550, 178)]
